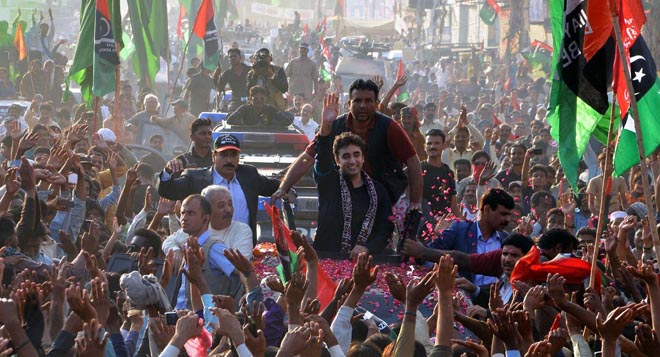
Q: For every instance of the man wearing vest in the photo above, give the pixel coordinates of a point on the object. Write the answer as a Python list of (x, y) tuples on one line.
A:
[(219, 273), (388, 146)]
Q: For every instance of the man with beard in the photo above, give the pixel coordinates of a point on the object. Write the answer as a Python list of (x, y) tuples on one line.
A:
[(410, 124), (388, 147), (243, 181), (481, 236)]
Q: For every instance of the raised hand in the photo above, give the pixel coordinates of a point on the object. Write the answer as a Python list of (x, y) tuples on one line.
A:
[(646, 339), (295, 290), (396, 286), (555, 285), (445, 277), (487, 173), (644, 272), (301, 241), (275, 284), (92, 342), (330, 109), (78, 300), (401, 81), (174, 166), (502, 325), (534, 298), (228, 325), (479, 349), (568, 203), (240, 262), (417, 290), (378, 80), (364, 272), (616, 320), (165, 206), (12, 183)]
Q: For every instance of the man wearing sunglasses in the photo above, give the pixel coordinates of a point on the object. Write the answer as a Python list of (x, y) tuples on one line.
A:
[(257, 112)]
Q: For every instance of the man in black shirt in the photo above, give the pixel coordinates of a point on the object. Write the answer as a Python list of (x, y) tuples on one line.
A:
[(198, 91), (258, 112), (439, 191), (513, 173), (236, 77), (199, 156)]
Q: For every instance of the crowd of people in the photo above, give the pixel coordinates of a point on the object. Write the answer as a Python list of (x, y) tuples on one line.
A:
[(104, 251)]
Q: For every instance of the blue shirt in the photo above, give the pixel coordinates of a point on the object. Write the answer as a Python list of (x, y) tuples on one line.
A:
[(485, 246), (241, 212), (217, 261)]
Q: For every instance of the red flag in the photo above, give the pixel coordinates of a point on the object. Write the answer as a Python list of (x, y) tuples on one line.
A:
[(19, 42), (326, 53), (305, 30), (400, 72), (514, 100), (496, 120), (573, 270), (556, 323), (179, 24), (204, 15), (326, 286), (631, 19)]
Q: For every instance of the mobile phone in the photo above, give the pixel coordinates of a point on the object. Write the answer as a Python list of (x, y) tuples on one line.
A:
[(252, 326), (537, 151), (171, 317), (72, 178), (88, 225)]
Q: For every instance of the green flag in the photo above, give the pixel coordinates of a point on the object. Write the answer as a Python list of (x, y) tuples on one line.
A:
[(106, 58), (647, 92), (578, 99), (489, 12), (325, 75), (81, 68), (158, 27), (147, 62)]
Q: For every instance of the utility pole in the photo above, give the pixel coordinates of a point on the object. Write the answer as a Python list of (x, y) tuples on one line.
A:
[(652, 29)]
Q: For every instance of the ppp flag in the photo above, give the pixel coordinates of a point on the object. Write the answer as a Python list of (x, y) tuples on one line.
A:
[(205, 29), (106, 58)]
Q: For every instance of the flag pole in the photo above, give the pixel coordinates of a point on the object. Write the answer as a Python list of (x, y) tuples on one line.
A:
[(638, 129), (176, 79), (116, 124), (96, 112), (605, 191)]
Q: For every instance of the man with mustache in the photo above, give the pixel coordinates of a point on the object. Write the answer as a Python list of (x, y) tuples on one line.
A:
[(439, 184), (388, 147), (243, 181), (482, 236)]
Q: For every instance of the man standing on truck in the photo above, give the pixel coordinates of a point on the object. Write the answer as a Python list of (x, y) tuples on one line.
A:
[(270, 77), (302, 73), (236, 77), (388, 146)]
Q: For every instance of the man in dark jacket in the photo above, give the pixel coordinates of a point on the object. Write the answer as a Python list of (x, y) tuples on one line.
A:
[(243, 181), (354, 209)]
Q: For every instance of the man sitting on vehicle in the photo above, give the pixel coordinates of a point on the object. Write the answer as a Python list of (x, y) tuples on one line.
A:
[(258, 112)]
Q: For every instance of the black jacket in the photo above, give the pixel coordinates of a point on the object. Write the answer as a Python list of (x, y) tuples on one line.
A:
[(195, 180)]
